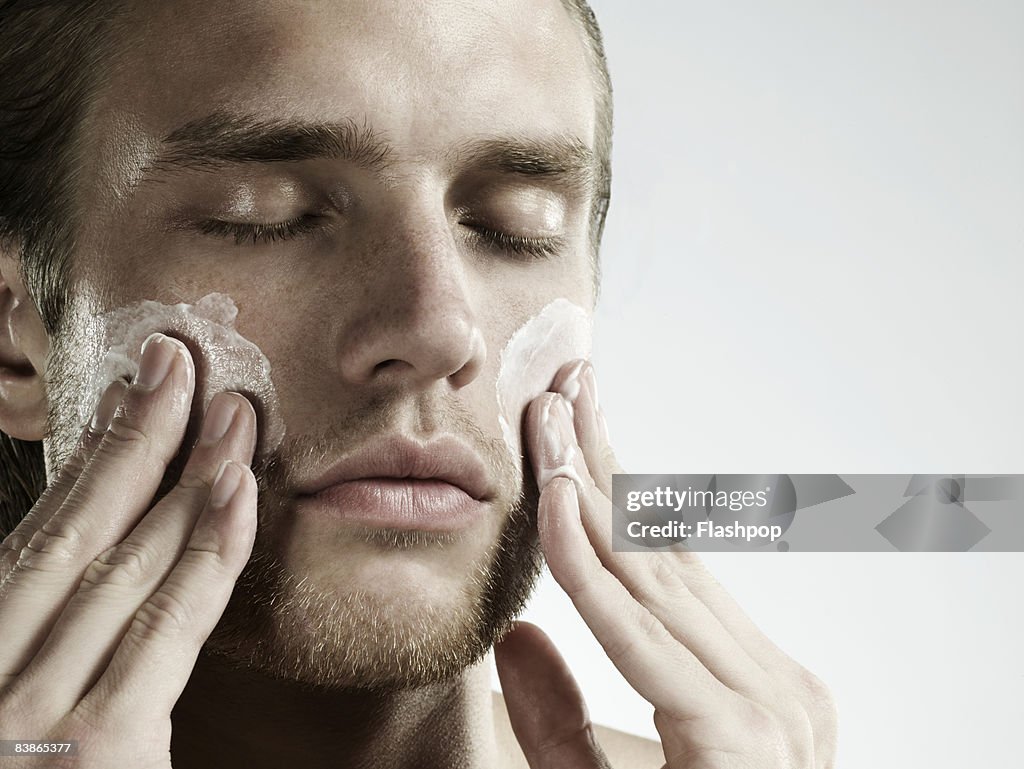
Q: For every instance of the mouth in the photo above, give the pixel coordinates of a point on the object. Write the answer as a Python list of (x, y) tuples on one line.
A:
[(397, 483)]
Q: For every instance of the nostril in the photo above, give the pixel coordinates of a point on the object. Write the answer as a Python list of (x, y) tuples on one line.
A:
[(473, 364)]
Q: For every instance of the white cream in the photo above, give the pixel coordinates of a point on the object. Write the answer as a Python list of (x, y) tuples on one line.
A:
[(559, 333), (228, 361)]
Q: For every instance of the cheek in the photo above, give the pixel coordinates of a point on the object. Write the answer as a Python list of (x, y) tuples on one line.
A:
[(559, 333), (224, 359)]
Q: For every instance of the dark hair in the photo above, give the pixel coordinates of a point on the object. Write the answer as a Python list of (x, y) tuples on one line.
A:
[(581, 11), (51, 58)]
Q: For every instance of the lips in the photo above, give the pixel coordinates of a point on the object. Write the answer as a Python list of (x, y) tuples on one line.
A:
[(396, 483)]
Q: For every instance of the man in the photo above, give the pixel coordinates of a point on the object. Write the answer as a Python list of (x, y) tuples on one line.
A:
[(338, 226)]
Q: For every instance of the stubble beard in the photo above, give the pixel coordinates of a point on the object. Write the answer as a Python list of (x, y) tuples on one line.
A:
[(280, 624)]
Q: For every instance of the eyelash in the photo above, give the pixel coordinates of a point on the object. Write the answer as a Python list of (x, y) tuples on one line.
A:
[(530, 248), (257, 233)]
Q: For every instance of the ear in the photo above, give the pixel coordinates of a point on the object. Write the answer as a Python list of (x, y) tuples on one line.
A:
[(23, 349)]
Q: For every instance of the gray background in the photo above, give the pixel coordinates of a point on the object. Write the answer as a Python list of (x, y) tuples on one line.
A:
[(813, 265)]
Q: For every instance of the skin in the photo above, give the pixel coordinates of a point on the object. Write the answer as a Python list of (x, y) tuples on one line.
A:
[(111, 597)]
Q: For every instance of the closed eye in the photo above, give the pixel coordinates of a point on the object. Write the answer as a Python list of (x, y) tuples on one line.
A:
[(520, 245), (256, 233)]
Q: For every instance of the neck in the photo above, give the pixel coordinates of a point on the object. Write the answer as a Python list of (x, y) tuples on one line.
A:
[(229, 717)]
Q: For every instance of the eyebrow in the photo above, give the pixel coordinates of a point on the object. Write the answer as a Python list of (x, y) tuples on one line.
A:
[(223, 139), (564, 159)]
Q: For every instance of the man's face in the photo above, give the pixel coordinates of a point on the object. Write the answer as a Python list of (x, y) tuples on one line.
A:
[(442, 202)]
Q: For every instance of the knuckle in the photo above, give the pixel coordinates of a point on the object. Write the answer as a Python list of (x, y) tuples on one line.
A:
[(793, 713), (699, 743), (193, 481), (576, 735), (691, 562), (127, 434), (10, 551), (697, 573), (163, 615), (821, 704), (760, 725), (799, 736), (818, 690), (687, 726), (56, 545), (13, 542), (124, 565), (621, 649), (207, 558), (663, 570), (648, 628), (73, 465), (651, 627)]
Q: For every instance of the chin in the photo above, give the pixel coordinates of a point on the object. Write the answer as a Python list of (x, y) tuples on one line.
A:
[(395, 566), (380, 609)]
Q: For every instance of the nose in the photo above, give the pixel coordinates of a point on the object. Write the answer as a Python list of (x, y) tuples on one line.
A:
[(415, 322)]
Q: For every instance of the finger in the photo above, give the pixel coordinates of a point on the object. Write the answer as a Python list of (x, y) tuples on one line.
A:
[(553, 453), (155, 658), (815, 698), (576, 382), (578, 385), (545, 706), (120, 579), (662, 670), (56, 492), (114, 489), (695, 713), (655, 580), (683, 595)]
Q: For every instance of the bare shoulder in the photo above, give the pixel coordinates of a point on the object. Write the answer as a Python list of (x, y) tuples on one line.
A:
[(627, 751), (624, 751)]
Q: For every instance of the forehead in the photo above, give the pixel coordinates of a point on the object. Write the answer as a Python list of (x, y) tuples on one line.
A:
[(423, 74)]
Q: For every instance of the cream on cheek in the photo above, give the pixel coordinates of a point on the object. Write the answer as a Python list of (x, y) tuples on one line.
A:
[(225, 360), (533, 355)]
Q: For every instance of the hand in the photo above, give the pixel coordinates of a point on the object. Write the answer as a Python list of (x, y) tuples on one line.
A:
[(106, 598), (725, 697)]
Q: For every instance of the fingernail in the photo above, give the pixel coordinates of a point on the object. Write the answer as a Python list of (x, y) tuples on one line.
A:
[(218, 419), (549, 519), (228, 479), (558, 436), (158, 353), (596, 417), (107, 406), (573, 502), (602, 427), (591, 383), (570, 389)]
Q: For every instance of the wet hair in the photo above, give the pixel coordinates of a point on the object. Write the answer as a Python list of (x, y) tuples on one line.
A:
[(52, 56)]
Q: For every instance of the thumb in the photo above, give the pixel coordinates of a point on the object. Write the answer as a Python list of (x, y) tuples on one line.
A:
[(545, 705)]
